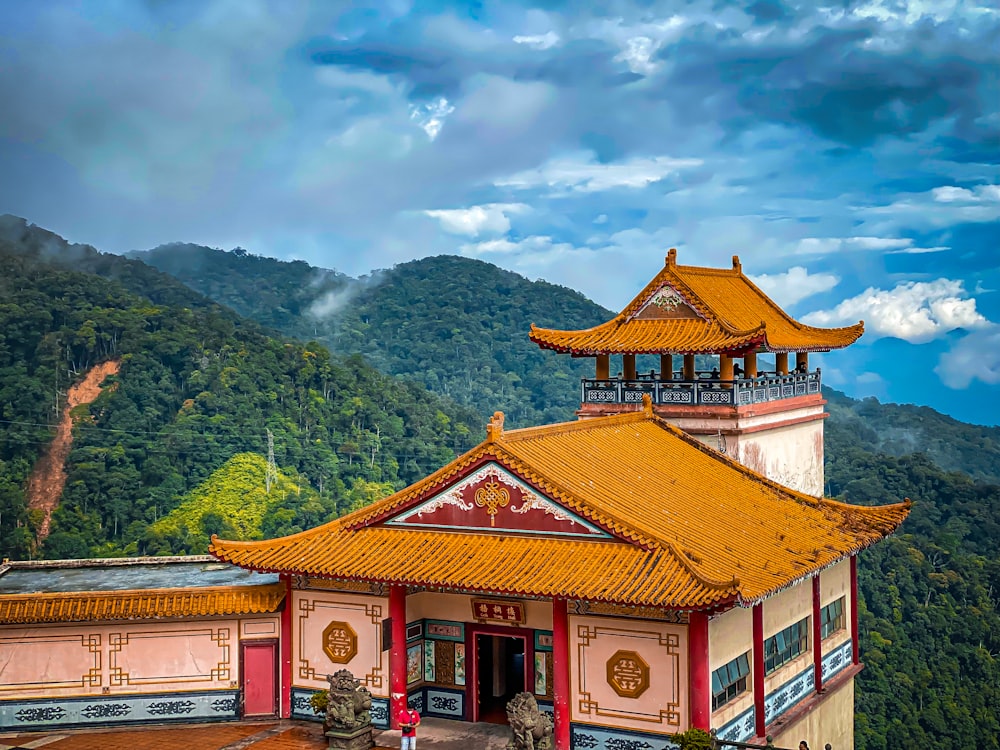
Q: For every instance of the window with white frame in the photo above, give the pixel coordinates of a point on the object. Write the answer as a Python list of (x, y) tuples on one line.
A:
[(782, 647), (831, 617), (730, 680)]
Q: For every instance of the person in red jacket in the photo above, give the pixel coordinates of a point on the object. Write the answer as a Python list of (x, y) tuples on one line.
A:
[(409, 720)]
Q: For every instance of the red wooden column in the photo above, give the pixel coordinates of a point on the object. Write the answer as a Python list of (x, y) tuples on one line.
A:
[(855, 652), (817, 637), (758, 669), (699, 691), (560, 673), (285, 650), (397, 654)]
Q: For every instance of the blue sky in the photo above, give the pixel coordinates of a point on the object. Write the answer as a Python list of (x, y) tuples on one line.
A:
[(849, 152)]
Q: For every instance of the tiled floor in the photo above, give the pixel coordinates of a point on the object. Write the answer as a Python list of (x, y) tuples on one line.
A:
[(256, 736), (439, 734)]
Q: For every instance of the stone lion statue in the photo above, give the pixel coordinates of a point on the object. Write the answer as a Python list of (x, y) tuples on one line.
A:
[(531, 728), (350, 703)]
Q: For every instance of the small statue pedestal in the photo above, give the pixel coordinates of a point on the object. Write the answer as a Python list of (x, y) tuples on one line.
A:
[(357, 739)]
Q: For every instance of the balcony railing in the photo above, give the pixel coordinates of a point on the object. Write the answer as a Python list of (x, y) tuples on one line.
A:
[(702, 391)]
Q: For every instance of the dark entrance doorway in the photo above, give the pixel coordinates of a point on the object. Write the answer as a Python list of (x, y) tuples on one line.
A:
[(503, 661)]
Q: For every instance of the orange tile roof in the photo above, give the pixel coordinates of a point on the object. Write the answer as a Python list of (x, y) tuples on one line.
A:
[(694, 527), (78, 606), (728, 314)]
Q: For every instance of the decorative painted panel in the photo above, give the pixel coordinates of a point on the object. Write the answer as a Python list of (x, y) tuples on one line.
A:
[(430, 661), (146, 657), (588, 737), (302, 710), (414, 663), (543, 640), (445, 703), (838, 659), (459, 663), (323, 626), (446, 631), (624, 610), (796, 689), (215, 705), (628, 674), (600, 647), (340, 642), (491, 497), (57, 658)]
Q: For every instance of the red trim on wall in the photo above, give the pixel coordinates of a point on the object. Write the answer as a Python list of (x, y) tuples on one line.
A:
[(817, 637), (700, 691), (560, 674), (286, 649), (397, 654), (855, 653), (758, 669)]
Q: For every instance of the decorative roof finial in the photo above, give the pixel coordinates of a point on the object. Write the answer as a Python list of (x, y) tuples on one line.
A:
[(736, 263), (647, 404), (494, 430), (672, 256)]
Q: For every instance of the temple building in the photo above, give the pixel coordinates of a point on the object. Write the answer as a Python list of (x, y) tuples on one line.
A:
[(666, 561)]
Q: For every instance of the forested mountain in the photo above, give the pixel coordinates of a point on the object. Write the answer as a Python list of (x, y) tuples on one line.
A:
[(197, 386), (291, 297), (457, 325)]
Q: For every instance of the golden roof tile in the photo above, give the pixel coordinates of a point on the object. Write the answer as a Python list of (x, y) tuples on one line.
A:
[(691, 528), (77, 606), (705, 310)]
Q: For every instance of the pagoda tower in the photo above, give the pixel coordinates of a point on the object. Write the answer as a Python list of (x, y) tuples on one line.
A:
[(770, 421)]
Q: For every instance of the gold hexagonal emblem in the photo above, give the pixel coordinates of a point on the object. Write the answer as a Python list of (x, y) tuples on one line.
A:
[(340, 642), (628, 674)]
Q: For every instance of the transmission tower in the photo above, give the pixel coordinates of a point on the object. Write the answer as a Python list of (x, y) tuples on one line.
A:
[(271, 476)]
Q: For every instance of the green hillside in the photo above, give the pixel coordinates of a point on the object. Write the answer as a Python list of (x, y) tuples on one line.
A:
[(197, 386)]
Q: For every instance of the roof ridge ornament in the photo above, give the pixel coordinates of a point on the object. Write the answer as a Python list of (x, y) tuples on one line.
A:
[(494, 430), (647, 404), (671, 259), (737, 266)]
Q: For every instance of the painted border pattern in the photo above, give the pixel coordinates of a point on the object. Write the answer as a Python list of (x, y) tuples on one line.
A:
[(591, 737), (838, 659), (798, 688), (740, 729), (117, 642), (154, 708)]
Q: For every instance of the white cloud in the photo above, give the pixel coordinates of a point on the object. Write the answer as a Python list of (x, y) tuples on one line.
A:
[(538, 41), (531, 248), (583, 174), (795, 284), (638, 54), (491, 217), (826, 245), (974, 357), (914, 311), (430, 117), (942, 206)]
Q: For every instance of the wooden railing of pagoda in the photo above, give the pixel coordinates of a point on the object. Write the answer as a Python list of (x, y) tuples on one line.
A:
[(702, 391)]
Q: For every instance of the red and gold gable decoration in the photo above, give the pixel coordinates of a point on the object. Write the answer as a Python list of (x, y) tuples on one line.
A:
[(666, 303), (493, 499)]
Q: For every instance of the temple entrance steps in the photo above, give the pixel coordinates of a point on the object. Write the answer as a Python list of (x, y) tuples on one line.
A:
[(447, 734)]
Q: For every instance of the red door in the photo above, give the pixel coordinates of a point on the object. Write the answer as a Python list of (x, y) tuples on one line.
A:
[(259, 664)]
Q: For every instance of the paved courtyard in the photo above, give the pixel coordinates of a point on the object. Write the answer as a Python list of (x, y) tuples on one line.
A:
[(437, 734)]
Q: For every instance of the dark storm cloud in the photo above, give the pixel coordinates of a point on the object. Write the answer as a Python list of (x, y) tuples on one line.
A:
[(852, 84)]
